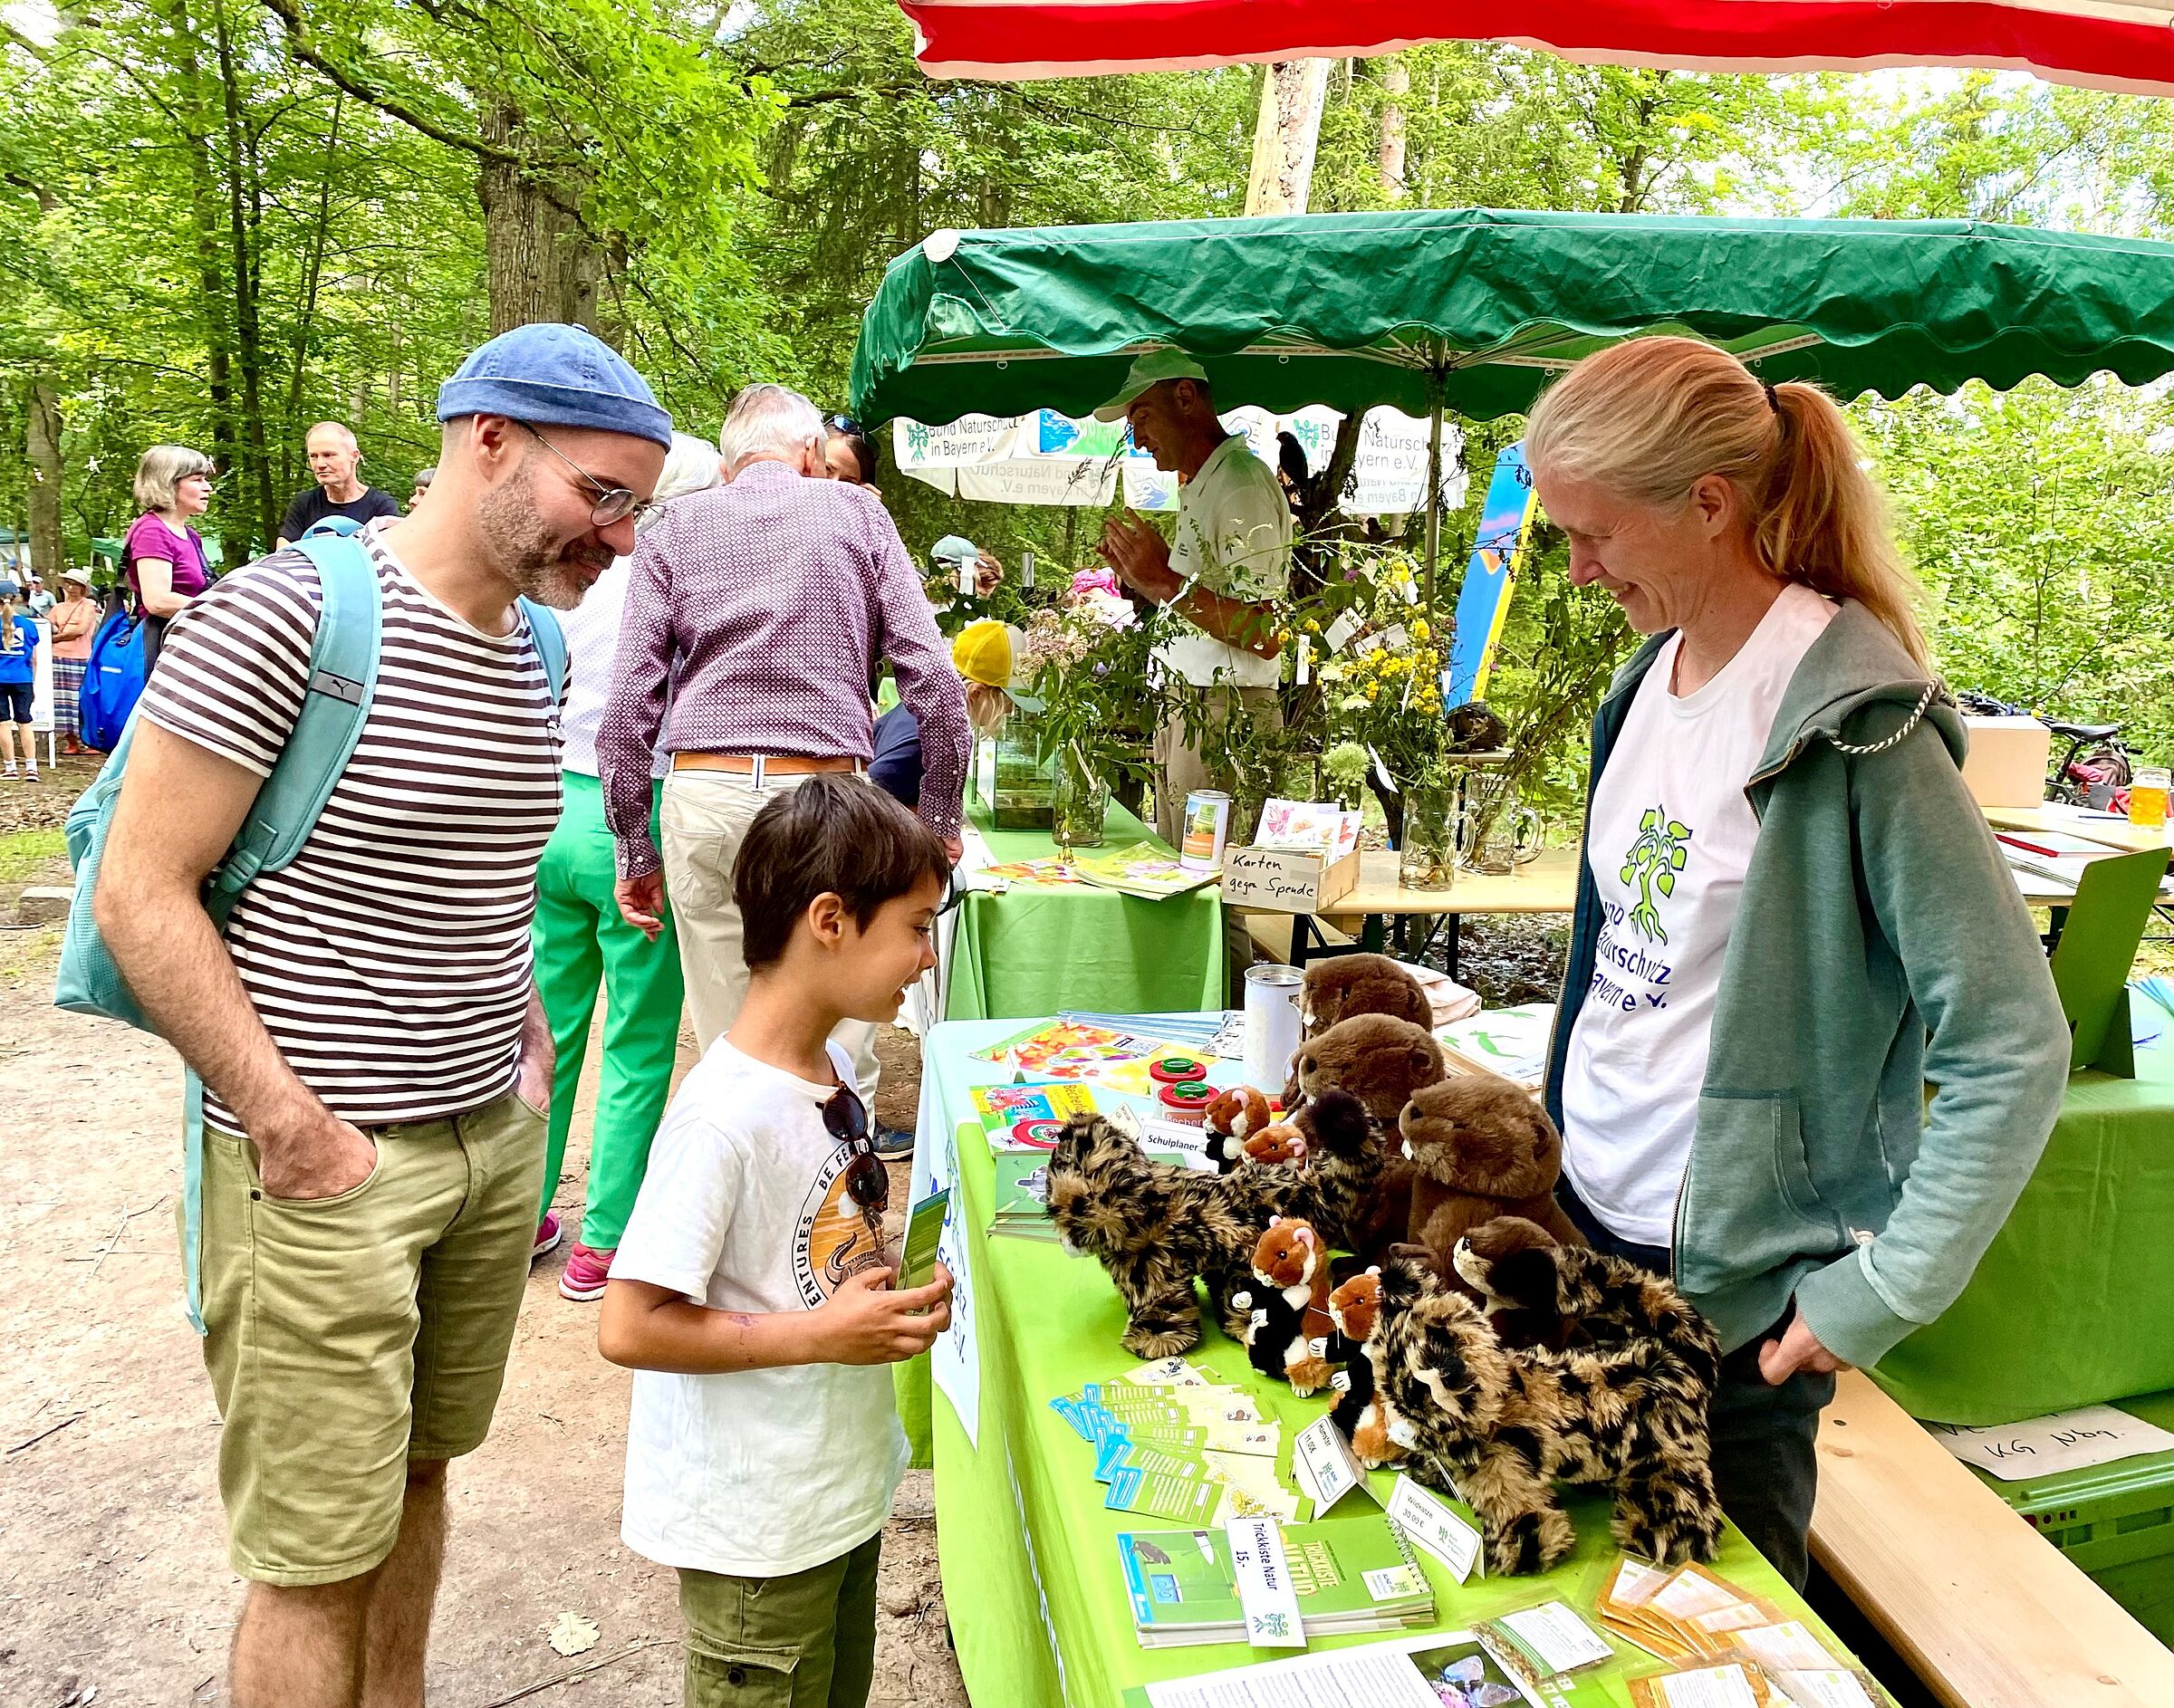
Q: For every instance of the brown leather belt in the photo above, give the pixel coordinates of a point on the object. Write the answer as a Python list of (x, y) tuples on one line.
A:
[(775, 765)]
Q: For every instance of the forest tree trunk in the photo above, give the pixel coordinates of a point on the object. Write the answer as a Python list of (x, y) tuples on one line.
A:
[(542, 265), (244, 207), (205, 219), (48, 551), (1285, 136), (1396, 84)]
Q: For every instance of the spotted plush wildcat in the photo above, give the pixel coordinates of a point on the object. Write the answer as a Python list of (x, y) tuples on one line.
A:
[(1154, 1226), (1499, 1427)]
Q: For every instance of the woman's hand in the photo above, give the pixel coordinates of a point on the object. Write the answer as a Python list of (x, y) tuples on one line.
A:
[(1797, 1350)]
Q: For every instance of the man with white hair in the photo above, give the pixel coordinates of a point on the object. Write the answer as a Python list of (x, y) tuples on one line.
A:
[(334, 458), (764, 604)]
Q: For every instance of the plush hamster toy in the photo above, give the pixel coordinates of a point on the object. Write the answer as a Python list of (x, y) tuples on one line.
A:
[(1233, 1117), (1360, 1415), (1481, 1148), (1278, 1142), (1292, 1264), (1381, 1061)]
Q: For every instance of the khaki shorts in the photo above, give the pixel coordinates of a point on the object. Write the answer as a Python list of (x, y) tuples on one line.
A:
[(803, 1641), (352, 1334)]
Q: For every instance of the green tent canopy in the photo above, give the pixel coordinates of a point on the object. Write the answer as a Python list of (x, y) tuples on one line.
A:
[(1353, 310)]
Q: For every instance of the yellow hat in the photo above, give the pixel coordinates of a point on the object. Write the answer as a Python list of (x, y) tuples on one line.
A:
[(982, 653)]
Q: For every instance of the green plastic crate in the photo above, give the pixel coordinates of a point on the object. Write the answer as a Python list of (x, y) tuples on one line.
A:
[(2116, 1521)]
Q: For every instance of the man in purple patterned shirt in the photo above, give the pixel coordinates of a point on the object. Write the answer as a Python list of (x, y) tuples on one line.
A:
[(764, 604)]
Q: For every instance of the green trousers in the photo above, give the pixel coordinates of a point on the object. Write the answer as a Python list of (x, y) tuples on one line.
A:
[(580, 939), (806, 1641)]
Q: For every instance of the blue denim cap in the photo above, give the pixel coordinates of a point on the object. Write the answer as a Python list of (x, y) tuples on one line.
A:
[(551, 375)]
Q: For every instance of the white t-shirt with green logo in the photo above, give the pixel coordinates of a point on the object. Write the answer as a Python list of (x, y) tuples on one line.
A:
[(1669, 841), (1234, 537)]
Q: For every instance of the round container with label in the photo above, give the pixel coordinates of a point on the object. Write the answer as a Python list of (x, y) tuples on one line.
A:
[(1187, 1102)]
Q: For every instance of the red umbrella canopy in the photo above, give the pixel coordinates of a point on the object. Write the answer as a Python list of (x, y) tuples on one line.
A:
[(2099, 43)]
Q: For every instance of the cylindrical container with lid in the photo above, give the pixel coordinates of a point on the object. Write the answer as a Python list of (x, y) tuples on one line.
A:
[(1187, 1102), (1273, 994), (1206, 830)]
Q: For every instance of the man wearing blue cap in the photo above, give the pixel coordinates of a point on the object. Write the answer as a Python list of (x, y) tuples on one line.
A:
[(375, 1061)]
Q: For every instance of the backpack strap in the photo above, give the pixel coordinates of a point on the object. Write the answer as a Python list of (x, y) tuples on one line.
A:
[(550, 644), (335, 703)]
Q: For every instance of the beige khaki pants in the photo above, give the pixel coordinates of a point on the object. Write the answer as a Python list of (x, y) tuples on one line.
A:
[(705, 819)]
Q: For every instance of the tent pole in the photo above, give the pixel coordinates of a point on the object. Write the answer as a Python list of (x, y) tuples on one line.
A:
[(1434, 485)]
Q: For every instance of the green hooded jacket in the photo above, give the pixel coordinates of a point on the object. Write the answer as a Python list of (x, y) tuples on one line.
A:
[(1878, 944)]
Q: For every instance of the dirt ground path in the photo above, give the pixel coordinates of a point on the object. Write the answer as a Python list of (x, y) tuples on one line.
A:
[(114, 1576)]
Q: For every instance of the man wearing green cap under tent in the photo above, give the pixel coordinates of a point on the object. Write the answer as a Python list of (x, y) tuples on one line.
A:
[(1224, 567)]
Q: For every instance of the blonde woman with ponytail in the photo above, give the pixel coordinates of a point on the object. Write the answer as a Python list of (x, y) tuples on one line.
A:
[(1790, 915)]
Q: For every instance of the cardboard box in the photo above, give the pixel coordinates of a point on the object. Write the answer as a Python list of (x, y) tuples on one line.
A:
[(1286, 880), (2005, 766)]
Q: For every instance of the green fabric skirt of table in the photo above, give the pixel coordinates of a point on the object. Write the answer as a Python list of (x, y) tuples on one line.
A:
[(2074, 1301), (1038, 948), (1032, 1583)]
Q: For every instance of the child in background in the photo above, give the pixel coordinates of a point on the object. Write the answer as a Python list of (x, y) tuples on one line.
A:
[(18, 649), (751, 1290)]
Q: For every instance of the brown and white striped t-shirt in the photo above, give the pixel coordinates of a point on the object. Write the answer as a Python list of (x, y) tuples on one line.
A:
[(390, 961)]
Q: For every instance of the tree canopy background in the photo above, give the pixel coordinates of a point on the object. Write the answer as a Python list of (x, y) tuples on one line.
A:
[(221, 220)]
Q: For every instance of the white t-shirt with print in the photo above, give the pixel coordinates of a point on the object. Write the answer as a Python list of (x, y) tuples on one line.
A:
[(1234, 536), (1669, 840), (754, 1473)]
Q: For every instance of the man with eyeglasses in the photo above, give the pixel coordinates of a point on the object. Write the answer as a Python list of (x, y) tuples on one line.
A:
[(765, 604), (376, 1064)]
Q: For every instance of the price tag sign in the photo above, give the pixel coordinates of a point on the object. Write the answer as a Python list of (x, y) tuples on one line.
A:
[(1266, 1594), (1340, 633), (1434, 1525), (1323, 1462)]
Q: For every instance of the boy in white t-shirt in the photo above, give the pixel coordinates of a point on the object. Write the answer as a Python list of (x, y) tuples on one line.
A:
[(751, 1290)]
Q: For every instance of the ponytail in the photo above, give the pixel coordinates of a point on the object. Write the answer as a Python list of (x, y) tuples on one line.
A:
[(1649, 418)]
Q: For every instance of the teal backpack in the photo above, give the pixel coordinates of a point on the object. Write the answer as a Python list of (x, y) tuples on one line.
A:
[(344, 675)]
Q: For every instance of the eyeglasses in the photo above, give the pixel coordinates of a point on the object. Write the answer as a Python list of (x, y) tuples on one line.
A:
[(866, 1181), (613, 504)]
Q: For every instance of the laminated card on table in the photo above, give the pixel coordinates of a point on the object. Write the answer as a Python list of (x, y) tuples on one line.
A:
[(1265, 1590)]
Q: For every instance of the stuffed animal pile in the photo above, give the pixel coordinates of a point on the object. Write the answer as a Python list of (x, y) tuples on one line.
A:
[(1484, 1342)]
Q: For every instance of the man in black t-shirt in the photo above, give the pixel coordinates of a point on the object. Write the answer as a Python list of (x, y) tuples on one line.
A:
[(339, 492)]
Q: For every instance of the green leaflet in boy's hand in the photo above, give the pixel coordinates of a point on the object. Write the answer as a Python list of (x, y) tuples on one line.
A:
[(924, 1227)]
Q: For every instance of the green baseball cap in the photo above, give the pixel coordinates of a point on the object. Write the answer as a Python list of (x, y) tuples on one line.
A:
[(1150, 370)]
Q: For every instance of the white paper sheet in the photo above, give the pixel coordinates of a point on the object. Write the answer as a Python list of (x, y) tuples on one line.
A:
[(2062, 1441)]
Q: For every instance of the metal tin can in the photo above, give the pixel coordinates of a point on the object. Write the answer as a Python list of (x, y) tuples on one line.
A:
[(1207, 830), (1273, 997)]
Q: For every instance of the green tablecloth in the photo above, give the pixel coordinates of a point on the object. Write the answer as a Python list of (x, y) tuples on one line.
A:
[(1038, 948), (2074, 1300), (1031, 1584)]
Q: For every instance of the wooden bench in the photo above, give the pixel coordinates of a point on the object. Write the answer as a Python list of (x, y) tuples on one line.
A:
[(1989, 1613)]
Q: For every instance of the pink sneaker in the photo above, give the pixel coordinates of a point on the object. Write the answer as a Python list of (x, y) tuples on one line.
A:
[(586, 1271), (548, 1235)]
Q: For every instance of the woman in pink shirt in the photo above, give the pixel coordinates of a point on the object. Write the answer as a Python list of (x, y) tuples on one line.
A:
[(163, 556)]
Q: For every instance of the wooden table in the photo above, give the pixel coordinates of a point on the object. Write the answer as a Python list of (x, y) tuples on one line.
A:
[(2113, 832), (1987, 1612), (1546, 884)]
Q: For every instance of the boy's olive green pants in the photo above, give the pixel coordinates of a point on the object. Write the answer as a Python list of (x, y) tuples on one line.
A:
[(803, 1641)]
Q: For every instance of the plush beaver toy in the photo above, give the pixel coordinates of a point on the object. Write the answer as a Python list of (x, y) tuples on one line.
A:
[(1481, 1148), (1292, 1264), (1382, 1062), (1361, 1417), (1340, 986), (1233, 1117)]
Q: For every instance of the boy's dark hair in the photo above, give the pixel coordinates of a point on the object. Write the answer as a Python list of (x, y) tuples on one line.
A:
[(836, 833)]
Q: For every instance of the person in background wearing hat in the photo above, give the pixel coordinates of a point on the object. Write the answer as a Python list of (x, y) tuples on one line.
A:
[(764, 605), (334, 458), (582, 940), (1223, 568), (18, 649), (376, 1064), (76, 621)]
